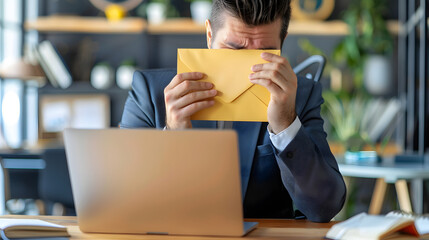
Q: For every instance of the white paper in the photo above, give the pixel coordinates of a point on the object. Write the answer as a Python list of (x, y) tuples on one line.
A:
[(7, 222)]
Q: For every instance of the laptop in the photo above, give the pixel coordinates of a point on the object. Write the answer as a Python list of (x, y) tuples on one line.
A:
[(150, 181)]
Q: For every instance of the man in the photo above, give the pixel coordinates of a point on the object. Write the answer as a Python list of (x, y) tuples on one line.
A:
[(286, 164)]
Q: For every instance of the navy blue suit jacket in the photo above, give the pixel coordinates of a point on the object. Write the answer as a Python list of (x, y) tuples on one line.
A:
[(304, 175)]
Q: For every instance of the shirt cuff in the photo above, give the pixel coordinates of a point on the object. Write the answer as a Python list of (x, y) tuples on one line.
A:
[(283, 138)]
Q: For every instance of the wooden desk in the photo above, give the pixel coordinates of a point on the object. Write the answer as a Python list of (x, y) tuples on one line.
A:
[(268, 229)]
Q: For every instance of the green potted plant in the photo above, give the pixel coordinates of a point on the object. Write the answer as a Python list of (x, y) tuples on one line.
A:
[(348, 118), (200, 10), (346, 108), (367, 48)]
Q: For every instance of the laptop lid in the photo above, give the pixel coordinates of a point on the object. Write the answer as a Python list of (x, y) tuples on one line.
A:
[(152, 181)]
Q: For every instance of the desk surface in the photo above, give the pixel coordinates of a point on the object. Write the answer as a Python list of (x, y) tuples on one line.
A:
[(268, 229)]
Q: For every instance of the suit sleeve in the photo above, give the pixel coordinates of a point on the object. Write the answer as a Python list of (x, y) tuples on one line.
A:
[(309, 170), (139, 110)]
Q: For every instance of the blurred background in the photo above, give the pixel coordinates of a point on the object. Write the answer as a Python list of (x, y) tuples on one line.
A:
[(69, 63)]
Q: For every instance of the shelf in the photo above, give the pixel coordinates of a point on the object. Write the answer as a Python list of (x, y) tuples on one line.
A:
[(175, 26), (86, 25), (179, 25), (328, 28), (82, 87), (320, 28)]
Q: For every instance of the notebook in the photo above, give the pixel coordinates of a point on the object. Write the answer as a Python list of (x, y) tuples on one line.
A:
[(369, 227), (421, 222), (30, 228), (156, 182)]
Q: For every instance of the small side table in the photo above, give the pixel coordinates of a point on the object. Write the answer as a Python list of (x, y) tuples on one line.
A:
[(390, 172)]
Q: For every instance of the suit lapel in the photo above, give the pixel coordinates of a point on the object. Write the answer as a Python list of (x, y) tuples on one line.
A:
[(247, 139)]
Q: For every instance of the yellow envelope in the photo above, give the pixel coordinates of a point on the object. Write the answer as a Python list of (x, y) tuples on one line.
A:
[(238, 99)]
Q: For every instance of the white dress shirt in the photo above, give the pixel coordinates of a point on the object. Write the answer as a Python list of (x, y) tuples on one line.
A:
[(282, 139)]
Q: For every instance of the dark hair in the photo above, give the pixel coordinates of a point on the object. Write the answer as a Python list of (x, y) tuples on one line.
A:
[(252, 13)]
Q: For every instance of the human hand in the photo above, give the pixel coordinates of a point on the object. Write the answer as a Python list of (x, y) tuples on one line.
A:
[(279, 78), (184, 96)]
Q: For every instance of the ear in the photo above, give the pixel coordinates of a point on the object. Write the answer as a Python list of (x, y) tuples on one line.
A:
[(209, 34), (286, 36), (284, 39)]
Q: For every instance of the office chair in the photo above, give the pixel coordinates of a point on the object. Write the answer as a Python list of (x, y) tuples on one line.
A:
[(306, 67)]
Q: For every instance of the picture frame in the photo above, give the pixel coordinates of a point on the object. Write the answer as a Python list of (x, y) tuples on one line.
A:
[(57, 112)]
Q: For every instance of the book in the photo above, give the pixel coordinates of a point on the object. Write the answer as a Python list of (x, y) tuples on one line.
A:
[(421, 222), (53, 65), (45, 67), (26, 228), (374, 227), (379, 117), (384, 118)]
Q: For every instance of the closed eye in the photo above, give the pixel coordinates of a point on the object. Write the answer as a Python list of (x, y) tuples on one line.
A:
[(232, 45)]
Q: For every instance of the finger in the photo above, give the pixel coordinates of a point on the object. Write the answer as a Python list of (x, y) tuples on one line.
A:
[(269, 66), (283, 66), (194, 97), (195, 107), (183, 77), (189, 86), (273, 76), (273, 88), (274, 58)]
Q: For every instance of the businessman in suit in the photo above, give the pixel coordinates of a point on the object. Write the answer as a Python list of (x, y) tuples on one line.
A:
[(286, 164)]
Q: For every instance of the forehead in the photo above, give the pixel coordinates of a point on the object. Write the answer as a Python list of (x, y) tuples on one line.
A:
[(236, 33)]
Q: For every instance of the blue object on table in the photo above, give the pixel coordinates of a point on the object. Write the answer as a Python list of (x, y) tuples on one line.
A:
[(361, 157)]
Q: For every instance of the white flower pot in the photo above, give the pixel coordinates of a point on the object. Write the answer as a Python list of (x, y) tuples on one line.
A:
[(378, 75), (124, 76), (102, 77), (156, 13), (200, 11)]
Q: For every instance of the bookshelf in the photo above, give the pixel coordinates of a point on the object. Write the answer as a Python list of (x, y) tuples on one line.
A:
[(78, 24), (171, 26), (179, 25)]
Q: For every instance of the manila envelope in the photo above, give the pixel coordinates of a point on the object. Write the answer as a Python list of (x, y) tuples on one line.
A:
[(238, 99)]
